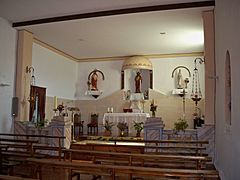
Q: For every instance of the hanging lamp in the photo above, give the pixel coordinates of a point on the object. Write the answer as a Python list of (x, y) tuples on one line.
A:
[(196, 94)]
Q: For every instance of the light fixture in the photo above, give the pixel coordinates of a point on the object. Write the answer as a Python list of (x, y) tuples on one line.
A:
[(30, 69), (196, 94)]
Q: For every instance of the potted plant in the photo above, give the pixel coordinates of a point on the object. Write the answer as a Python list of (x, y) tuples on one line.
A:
[(180, 125), (123, 127), (138, 126), (108, 128)]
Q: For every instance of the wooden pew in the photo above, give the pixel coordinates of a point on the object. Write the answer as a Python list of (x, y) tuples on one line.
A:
[(22, 146), (190, 147), (38, 146), (154, 147), (6, 177), (116, 170), (16, 152), (176, 161), (26, 145), (5, 147)]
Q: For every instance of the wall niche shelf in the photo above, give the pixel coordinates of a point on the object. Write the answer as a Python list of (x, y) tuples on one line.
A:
[(179, 92), (94, 94)]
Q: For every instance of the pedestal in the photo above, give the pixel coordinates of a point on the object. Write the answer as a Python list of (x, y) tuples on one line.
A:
[(153, 128), (62, 126)]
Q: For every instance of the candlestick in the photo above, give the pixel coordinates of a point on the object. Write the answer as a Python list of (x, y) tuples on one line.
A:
[(55, 102)]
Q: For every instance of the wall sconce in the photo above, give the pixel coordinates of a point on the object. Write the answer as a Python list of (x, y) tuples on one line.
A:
[(30, 69)]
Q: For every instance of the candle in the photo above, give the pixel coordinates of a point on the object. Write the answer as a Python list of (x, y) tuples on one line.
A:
[(108, 109), (111, 109), (55, 102)]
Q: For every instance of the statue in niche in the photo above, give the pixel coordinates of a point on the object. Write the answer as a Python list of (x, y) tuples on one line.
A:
[(138, 82), (94, 79), (180, 81)]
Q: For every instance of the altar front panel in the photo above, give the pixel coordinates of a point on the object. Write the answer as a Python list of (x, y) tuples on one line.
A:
[(129, 118)]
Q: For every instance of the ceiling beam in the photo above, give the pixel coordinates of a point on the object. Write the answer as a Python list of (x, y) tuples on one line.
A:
[(115, 12)]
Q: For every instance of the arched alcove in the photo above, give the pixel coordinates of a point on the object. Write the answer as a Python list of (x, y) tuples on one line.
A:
[(130, 68), (228, 88)]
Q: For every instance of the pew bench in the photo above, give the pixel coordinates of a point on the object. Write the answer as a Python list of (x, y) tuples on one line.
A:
[(7, 177), (194, 162), (112, 171), (177, 150), (175, 147), (53, 150)]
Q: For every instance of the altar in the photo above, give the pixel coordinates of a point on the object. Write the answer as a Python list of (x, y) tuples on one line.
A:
[(129, 118)]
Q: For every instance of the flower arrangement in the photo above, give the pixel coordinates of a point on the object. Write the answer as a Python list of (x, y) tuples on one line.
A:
[(138, 126), (122, 126), (181, 124), (60, 108), (153, 108), (108, 128), (108, 125)]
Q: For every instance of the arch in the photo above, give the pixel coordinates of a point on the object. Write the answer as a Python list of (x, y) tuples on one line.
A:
[(228, 102)]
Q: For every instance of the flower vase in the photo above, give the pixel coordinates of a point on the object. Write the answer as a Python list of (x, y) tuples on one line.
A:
[(107, 133), (138, 134), (122, 133), (153, 114)]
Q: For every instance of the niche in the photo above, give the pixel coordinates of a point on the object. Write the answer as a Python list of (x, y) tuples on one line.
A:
[(130, 68)]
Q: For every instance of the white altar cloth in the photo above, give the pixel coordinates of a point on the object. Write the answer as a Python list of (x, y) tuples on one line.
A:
[(129, 118)]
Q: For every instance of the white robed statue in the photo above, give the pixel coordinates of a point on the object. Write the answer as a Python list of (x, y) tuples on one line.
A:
[(36, 115), (180, 81)]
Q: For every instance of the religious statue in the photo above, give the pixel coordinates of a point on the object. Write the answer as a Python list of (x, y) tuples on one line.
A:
[(94, 79), (138, 82), (180, 82)]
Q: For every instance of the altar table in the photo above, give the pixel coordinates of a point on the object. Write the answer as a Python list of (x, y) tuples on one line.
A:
[(129, 118)]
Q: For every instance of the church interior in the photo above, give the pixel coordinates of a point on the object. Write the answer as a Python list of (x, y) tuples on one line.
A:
[(138, 90)]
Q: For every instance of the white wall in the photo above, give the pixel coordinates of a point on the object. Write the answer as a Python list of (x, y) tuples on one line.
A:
[(162, 71), (56, 72), (227, 30), (8, 37)]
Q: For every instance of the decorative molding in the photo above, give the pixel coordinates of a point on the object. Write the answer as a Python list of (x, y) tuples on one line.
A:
[(151, 56)]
